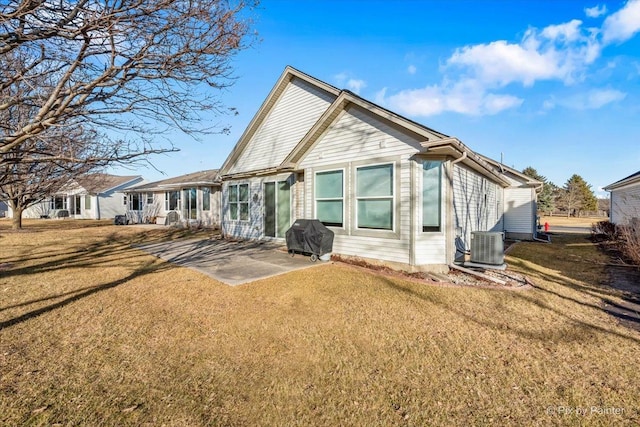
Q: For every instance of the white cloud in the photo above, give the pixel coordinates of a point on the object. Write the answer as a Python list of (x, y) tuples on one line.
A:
[(623, 24), (464, 97), (345, 80), (558, 52), (340, 79), (475, 77), (599, 98), (379, 97), (411, 69), (356, 85), (549, 104), (569, 31), (592, 100), (596, 11), (502, 63)]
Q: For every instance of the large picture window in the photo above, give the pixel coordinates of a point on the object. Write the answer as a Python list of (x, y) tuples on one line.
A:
[(239, 202), (374, 197), (431, 195), (329, 195)]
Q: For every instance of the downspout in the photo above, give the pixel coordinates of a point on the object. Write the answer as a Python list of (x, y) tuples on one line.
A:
[(459, 159), (450, 206), (412, 214), (535, 236)]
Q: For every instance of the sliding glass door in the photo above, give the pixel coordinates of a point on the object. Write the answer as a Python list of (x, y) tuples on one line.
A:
[(277, 208)]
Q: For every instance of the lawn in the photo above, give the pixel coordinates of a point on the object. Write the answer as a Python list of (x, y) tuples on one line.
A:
[(93, 332)]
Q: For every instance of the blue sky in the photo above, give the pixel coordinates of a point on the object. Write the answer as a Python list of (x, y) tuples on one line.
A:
[(550, 84)]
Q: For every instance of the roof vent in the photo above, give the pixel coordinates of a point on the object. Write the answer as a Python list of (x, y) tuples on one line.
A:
[(487, 247)]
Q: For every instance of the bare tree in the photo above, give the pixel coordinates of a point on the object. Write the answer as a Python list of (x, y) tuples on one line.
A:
[(136, 66), (26, 182)]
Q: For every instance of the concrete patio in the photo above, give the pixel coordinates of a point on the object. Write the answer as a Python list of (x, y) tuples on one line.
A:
[(230, 262)]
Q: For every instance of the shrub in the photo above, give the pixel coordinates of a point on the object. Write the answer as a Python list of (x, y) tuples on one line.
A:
[(629, 239), (604, 230)]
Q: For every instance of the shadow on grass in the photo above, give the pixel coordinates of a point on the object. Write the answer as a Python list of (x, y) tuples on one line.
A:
[(46, 259), (576, 333), (112, 250), (79, 294)]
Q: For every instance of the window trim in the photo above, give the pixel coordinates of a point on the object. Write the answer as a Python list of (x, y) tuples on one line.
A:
[(239, 202), (398, 167), (167, 201), (392, 197), (132, 205), (206, 199), (440, 227), (63, 199), (343, 198)]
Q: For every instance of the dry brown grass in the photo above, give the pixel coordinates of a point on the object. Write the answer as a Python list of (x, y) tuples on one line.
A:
[(96, 333), (570, 221)]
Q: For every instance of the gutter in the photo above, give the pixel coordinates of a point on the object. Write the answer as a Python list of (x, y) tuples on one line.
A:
[(459, 159)]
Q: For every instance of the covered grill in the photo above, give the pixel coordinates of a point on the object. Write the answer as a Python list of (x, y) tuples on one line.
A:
[(309, 236)]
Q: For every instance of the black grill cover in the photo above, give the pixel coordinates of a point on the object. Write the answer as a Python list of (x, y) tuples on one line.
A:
[(309, 236)]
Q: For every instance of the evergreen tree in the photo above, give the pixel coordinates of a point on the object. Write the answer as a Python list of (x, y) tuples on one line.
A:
[(546, 203), (576, 196)]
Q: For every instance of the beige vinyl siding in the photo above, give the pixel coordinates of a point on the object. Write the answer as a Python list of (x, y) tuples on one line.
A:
[(212, 216), (253, 229), (299, 107), (430, 246), (298, 191), (477, 203), (625, 204), (353, 141), (518, 210), (357, 136)]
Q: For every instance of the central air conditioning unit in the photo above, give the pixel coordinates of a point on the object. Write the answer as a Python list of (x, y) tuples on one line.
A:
[(487, 247)]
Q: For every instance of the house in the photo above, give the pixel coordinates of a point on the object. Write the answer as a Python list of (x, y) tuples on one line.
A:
[(3, 209), (93, 196), (520, 202), (625, 199), (391, 189), (193, 197)]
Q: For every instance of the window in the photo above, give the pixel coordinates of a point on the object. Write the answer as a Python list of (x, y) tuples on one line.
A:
[(87, 202), (374, 197), (135, 202), (329, 195), (171, 200), (190, 203), (149, 198), (431, 195), (58, 202), (206, 198), (76, 203), (239, 202)]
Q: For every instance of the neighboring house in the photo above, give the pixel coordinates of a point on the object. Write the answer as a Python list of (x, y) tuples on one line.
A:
[(520, 202), (94, 196), (194, 197), (625, 199), (3, 209), (391, 189)]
